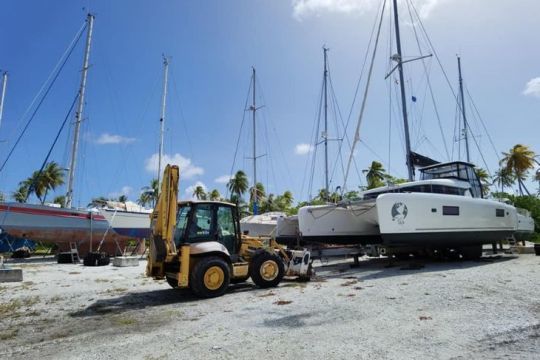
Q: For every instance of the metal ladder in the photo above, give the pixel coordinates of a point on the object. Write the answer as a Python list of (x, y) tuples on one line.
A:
[(75, 259)]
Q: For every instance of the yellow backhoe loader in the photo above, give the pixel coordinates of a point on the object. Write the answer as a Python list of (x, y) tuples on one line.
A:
[(199, 245)]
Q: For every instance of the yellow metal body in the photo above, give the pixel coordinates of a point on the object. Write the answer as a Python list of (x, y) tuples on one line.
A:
[(183, 275), (164, 257)]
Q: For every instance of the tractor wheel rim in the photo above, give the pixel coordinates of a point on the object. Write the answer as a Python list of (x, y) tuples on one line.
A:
[(269, 270), (214, 278)]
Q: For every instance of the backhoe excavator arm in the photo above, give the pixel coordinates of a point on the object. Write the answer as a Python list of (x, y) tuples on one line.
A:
[(163, 220)]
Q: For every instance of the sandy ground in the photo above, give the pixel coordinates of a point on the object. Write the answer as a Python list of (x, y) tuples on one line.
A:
[(443, 310)]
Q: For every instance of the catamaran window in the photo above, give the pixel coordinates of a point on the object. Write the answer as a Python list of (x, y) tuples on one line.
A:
[(499, 212), (450, 210)]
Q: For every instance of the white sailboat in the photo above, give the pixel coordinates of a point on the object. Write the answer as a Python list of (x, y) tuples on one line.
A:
[(62, 226)]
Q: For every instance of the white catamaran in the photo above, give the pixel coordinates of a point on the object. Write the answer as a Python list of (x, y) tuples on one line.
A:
[(445, 208)]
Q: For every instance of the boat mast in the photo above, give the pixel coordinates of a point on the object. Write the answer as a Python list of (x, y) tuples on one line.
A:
[(465, 125), (326, 186), (3, 95), (162, 117), (399, 59), (253, 108), (79, 113)]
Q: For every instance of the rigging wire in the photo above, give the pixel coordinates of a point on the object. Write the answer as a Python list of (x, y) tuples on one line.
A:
[(181, 111), (357, 131), (53, 81), (239, 134), (32, 186), (437, 115), (483, 123)]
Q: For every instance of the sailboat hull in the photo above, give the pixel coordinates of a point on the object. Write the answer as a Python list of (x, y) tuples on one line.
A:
[(60, 226), (128, 223)]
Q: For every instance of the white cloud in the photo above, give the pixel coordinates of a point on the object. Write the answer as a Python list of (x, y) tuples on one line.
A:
[(190, 189), (303, 149), (106, 139), (126, 190), (223, 179), (187, 168), (306, 8), (533, 87)]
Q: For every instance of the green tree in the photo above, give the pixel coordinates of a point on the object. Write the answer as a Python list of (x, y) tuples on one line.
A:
[(519, 160), (199, 193), (238, 185), (537, 178), (21, 194), (375, 175), (60, 200), (149, 194), (483, 176), (259, 189), (123, 198), (503, 178), (215, 195), (2, 197)]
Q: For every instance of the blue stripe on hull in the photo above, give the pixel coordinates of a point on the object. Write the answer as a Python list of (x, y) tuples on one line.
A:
[(133, 232)]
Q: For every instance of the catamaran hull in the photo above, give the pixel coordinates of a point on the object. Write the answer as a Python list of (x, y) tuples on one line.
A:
[(128, 223), (355, 223), (432, 220), (60, 226)]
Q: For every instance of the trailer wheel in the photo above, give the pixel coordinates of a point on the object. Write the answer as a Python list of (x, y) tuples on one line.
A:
[(471, 252), (210, 277), (266, 270)]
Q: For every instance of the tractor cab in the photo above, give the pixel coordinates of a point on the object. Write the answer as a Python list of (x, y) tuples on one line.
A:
[(202, 221)]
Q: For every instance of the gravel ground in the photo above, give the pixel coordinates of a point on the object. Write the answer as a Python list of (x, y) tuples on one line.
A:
[(488, 309)]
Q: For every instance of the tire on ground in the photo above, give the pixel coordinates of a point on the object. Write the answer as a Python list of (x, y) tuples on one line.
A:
[(266, 270), (210, 277)]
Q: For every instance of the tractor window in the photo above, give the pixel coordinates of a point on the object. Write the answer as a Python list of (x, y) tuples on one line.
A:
[(225, 227), (181, 223), (201, 222)]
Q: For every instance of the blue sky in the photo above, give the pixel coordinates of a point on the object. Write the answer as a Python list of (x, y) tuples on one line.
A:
[(213, 44)]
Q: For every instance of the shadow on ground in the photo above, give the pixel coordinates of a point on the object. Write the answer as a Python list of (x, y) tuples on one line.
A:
[(149, 299), (383, 268)]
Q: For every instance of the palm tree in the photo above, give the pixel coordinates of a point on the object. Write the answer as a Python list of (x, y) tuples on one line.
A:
[(2, 197), (238, 185), (149, 194), (519, 160), (287, 199), (199, 193), (503, 178), (123, 198), (322, 195), (54, 177), (537, 178), (214, 195), (375, 175), (483, 176), (259, 189), (60, 200), (21, 194)]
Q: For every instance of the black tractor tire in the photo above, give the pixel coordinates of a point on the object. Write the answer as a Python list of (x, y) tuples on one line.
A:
[(262, 261), (473, 252), (172, 282), (210, 277)]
